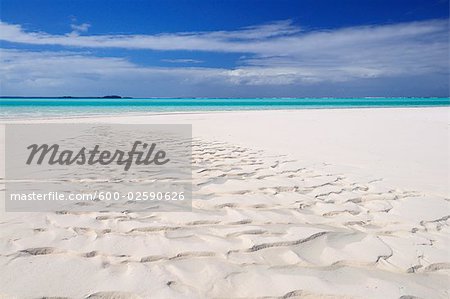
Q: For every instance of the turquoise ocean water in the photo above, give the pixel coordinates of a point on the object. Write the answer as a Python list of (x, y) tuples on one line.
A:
[(11, 108)]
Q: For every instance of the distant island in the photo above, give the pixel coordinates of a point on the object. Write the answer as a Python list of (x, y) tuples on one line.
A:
[(70, 97)]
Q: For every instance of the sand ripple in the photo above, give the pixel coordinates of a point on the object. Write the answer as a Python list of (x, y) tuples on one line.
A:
[(262, 227)]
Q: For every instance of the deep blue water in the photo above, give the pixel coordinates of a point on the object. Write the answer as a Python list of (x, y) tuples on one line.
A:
[(11, 108)]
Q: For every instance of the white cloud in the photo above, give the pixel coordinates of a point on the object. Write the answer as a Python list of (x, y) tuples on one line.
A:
[(276, 54), (269, 39), (80, 28), (185, 60), (60, 73), (221, 41)]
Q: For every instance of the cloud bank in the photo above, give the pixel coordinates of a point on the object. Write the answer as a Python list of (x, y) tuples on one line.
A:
[(279, 55)]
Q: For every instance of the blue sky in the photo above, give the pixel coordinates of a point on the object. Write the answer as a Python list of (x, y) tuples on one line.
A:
[(224, 48)]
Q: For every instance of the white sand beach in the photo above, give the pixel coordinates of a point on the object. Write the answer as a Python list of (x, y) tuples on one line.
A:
[(326, 203)]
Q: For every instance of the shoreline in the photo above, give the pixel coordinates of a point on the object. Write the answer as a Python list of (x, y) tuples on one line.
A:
[(161, 113)]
